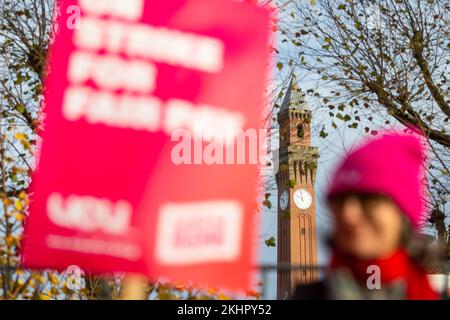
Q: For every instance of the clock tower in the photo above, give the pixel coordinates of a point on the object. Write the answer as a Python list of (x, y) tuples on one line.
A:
[(297, 242)]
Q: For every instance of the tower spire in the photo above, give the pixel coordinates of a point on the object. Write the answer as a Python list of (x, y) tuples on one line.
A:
[(294, 98)]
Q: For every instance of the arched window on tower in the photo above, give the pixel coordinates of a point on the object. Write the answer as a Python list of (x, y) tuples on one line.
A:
[(300, 131)]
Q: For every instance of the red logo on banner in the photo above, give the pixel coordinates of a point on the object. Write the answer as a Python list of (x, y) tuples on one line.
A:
[(107, 194)]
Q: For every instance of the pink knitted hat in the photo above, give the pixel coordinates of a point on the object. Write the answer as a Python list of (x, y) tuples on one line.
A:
[(392, 165)]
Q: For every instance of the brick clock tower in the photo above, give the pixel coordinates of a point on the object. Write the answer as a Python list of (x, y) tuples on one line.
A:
[(297, 242)]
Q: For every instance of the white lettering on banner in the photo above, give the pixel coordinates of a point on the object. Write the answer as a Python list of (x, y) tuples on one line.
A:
[(124, 9), (123, 111), (112, 72), (202, 120), (145, 113), (160, 44), (120, 249), (90, 34), (199, 232), (86, 213), (176, 48)]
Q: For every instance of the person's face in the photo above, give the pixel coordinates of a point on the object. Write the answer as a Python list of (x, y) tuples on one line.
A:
[(367, 226)]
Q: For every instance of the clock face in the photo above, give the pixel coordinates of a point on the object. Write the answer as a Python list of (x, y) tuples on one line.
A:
[(302, 199), (284, 200)]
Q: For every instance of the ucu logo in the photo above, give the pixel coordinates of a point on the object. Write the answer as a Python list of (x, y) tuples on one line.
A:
[(88, 214)]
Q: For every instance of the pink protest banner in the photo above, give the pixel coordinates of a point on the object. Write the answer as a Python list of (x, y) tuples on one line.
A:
[(110, 193)]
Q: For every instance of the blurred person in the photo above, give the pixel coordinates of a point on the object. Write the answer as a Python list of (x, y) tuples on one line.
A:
[(378, 200)]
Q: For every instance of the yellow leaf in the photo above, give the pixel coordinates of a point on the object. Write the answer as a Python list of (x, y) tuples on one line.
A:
[(22, 195), (53, 279), (180, 286), (67, 291), (18, 205), (39, 278), (166, 296), (7, 201), (10, 240), (223, 297), (44, 297), (26, 145), (212, 290), (20, 136)]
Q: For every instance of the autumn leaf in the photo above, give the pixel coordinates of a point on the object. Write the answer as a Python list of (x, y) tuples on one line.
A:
[(254, 294), (26, 145), (180, 286), (53, 279), (20, 136), (267, 204), (20, 217), (7, 201), (22, 195), (18, 205), (44, 297), (10, 240), (212, 290), (270, 242)]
